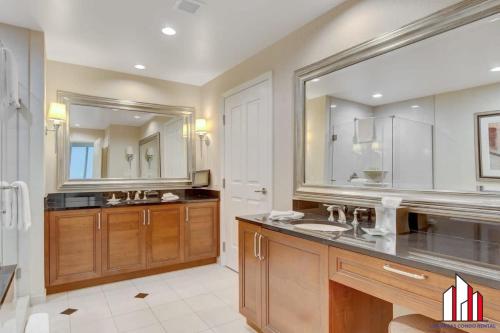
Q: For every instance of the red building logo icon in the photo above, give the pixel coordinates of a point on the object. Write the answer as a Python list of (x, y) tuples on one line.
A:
[(461, 303)]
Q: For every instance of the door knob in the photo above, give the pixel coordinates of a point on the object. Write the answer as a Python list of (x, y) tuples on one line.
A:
[(263, 191)]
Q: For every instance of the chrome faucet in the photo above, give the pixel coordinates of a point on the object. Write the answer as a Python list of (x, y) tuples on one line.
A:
[(145, 196), (137, 196), (340, 210), (128, 195), (355, 221)]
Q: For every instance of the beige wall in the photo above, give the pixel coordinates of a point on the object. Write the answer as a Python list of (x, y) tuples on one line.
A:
[(103, 83), (316, 125), (343, 27)]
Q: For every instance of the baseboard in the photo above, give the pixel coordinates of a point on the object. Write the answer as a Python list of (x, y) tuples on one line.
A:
[(127, 276)]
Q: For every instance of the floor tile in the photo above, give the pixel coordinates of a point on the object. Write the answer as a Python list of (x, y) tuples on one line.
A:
[(185, 324), (204, 301), (230, 296), (146, 279), (135, 320), (190, 291), (84, 292), (95, 326), (156, 299), (157, 328), (172, 310), (117, 285), (154, 287), (60, 326), (52, 308), (122, 306), (219, 316), (56, 297), (238, 326)]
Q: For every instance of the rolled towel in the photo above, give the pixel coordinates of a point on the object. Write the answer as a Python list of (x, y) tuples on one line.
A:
[(23, 205), (285, 215), (169, 197)]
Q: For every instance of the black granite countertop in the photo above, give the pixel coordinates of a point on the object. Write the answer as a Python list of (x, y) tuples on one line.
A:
[(6, 276), (473, 251), (71, 201)]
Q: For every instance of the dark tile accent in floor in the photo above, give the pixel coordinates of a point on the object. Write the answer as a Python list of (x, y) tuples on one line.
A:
[(69, 311), (141, 295)]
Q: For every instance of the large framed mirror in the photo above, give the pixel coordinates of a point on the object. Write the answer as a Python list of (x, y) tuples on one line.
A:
[(413, 113), (109, 144)]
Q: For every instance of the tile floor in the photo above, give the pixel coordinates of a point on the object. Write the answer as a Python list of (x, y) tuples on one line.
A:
[(201, 299)]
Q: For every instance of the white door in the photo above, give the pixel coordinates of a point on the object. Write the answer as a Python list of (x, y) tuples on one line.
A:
[(247, 160)]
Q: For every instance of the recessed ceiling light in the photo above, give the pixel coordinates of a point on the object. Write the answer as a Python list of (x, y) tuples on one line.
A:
[(139, 66), (169, 31), (495, 69), (377, 95), (315, 80), (415, 106), (137, 117), (77, 125), (333, 106)]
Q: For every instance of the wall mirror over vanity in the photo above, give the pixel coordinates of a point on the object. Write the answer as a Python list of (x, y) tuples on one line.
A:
[(419, 116), (109, 142)]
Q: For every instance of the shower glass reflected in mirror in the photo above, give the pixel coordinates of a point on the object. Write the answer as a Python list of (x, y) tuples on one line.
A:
[(408, 119)]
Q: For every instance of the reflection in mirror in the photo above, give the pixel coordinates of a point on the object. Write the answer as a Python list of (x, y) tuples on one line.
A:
[(406, 119), (122, 144)]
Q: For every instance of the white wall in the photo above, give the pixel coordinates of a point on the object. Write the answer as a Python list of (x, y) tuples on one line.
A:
[(347, 25), (28, 48), (454, 135), (120, 137)]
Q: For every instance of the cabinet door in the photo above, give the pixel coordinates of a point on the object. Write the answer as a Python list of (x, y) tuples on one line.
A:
[(74, 245), (123, 240), (250, 272), (165, 235), (202, 231), (294, 284)]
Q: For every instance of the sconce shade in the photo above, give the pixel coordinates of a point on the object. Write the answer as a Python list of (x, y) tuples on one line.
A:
[(201, 126), (129, 150), (57, 112)]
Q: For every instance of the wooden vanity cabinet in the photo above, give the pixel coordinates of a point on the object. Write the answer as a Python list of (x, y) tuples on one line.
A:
[(123, 240), (201, 231), (284, 284), (165, 235), (74, 246)]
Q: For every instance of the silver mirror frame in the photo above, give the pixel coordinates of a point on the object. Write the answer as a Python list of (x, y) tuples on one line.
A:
[(451, 203), (110, 184)]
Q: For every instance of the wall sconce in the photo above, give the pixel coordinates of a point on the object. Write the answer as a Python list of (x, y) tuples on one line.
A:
[(149, 156), (201, 131), (129, 155), (56, 114)]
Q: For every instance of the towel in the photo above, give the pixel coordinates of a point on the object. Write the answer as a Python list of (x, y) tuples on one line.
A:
[(9, 85), (365, 131), (169, 197), (6, 206), (23, 205), (277, 215)]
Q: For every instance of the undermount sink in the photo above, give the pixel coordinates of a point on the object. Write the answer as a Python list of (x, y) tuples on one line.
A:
[(316, 225)]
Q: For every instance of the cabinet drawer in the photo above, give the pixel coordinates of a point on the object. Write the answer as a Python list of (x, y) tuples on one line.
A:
[(417, 289)]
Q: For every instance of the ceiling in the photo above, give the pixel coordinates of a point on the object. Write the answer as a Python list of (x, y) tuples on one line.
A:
[(90, 117), (117, 34), (455, 60)]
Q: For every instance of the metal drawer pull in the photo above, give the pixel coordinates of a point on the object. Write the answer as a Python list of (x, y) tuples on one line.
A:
[(187, 215), (99, 221), (144, 217), (408, 274), (149, 217), (260, 248), (255, 245)]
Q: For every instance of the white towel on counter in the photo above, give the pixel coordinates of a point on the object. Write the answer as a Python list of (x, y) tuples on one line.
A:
[(23, 206), (277, 215), (169, 197), (6, 206)]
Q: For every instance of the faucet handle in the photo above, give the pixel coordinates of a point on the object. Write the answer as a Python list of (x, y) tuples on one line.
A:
[(355, 221), (331, 208)]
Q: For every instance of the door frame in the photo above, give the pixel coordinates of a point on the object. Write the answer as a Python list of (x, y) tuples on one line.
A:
[(267, 76)]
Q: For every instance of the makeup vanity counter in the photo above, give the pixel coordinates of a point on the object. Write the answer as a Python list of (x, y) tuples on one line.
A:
[(89, 242), (287, 270)]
